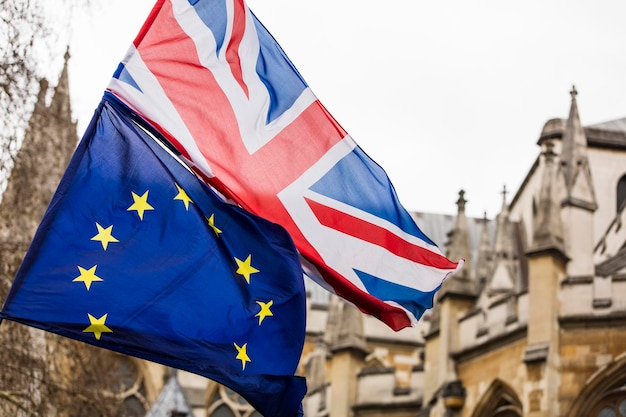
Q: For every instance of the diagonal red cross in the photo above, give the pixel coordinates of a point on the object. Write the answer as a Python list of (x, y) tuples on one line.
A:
[(253, 180)]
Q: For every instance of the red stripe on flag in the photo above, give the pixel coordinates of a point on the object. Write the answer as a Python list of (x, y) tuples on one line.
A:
[(377, 235), (394, 317), (212, 122), (148, 23), (232, 51)]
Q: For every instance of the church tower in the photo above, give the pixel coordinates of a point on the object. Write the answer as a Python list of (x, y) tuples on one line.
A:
[(48, 144)]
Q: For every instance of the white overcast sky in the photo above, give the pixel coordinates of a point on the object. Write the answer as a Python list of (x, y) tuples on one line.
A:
[(443, 95)]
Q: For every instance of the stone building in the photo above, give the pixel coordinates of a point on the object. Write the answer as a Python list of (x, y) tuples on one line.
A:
[(534, 325), (538, 327)]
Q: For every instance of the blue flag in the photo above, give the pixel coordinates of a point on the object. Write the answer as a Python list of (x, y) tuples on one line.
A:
[(136, 255)]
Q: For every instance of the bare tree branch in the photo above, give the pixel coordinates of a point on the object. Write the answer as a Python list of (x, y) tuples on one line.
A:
[(41, 374)]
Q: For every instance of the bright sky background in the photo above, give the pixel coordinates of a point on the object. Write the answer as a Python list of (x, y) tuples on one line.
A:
[(443, 95)]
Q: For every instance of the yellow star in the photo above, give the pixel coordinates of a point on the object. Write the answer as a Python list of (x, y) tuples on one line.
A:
[(140, 204), (211, 222), (265, 310), (245, 269), (104, 236), (87, 276), (182, 196), (242, 355), (97, 326)]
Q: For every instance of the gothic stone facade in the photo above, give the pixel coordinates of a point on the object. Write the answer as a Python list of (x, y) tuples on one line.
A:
[(538, 327)]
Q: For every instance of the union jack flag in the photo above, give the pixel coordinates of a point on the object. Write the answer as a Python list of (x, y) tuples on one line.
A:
[(214, 82)]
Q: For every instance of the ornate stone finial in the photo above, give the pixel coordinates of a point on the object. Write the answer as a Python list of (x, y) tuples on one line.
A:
[(505, 208), (458, 247), (502, 276), (484, 255), (67, 54), (573, 92), (461, 201)]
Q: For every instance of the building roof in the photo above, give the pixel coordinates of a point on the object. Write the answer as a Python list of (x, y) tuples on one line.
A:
[(618, 125), (609, 134)]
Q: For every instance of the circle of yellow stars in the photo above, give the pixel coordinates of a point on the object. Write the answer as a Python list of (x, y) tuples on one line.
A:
[(104, 235)]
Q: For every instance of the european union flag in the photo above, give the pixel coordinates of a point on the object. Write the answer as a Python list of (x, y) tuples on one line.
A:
[(136, 255)]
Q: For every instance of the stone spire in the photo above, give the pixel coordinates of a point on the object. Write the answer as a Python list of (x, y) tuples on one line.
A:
[(48, 144), (503, 277), (455, 299), (458, 247), (578, 197), (484, 257), (60, 106), (547, 224), (503, 244), (574, 162), (458, 244)]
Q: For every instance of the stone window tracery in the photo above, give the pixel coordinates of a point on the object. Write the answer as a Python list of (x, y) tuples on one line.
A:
[(611, 405), (129, 388), (227, 403), (605, 394)]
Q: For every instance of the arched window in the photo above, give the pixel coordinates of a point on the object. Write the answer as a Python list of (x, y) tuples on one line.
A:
[(613, 406), (224, 402), (610, 404), (129, 387), (621, 193), (605, 394), (499, 401)]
